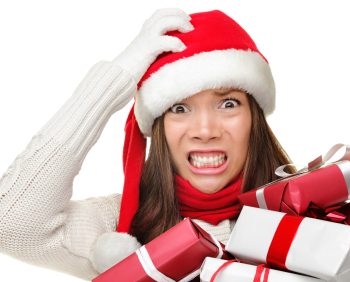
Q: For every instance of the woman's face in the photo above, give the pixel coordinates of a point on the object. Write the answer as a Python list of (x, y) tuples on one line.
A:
[(208, 137)]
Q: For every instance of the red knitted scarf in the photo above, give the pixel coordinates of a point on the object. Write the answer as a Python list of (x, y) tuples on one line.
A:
[(211, 208)]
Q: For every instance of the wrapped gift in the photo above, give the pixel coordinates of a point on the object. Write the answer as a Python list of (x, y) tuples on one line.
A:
[(219, 270), (175, 255), (305, 245), (322, 184)]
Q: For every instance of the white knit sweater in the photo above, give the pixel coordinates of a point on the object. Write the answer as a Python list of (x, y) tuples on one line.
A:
[(39, 223)]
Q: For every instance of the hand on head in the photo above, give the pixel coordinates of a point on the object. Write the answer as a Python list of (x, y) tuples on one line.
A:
[(152, 41)]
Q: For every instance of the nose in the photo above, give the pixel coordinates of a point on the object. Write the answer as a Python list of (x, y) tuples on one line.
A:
[(204, 126)]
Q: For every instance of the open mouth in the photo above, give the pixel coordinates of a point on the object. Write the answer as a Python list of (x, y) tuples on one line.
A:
[(212, 160)]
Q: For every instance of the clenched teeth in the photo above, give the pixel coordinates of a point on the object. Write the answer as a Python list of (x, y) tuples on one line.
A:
[(208, 161)]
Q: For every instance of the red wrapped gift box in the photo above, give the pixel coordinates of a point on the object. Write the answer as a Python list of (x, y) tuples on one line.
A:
[(175, 255), (322, 187)]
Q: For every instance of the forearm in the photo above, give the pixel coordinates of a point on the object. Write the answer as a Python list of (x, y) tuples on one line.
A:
[(36, 219), (79, 122)]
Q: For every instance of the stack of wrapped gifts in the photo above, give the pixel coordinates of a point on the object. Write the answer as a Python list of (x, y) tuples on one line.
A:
[(294, 229)]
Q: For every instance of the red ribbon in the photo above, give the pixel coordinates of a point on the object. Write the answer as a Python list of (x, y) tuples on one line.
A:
[(259, 271), (282, 240), (220, 268), (338, 213)]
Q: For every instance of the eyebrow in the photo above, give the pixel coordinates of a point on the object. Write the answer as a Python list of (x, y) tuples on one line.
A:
[(220, 94)]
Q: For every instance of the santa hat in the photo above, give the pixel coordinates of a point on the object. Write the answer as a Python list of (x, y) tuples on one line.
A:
[(219, 53)]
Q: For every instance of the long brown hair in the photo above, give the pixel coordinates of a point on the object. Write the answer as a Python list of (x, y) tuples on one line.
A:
[(158, 208), (265, 153)]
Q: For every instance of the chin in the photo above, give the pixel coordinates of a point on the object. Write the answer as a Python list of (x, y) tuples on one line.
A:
[(208, 187)]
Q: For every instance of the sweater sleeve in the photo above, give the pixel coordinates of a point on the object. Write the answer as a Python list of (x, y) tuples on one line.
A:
[(39, 223)]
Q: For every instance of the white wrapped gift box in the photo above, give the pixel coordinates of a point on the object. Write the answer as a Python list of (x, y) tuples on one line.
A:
[(315, 247), (242, 272)]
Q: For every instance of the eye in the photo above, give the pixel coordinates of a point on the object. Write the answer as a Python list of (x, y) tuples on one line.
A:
[(230, 103), (178, 109)]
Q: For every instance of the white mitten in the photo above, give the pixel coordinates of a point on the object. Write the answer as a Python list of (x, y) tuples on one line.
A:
[(151, 41), (110, 248)]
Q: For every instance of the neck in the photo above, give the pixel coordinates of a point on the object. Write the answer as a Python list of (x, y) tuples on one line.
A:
[(211, 208)]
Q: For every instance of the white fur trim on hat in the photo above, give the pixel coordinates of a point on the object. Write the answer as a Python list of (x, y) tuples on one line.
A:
[(241, 69), (110, 248)]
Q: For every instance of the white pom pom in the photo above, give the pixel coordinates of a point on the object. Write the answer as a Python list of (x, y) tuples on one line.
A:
[(110, 248)]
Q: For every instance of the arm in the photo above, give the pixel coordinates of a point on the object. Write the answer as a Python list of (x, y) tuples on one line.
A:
[(38, 222)]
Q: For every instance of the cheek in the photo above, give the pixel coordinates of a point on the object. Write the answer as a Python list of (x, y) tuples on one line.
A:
[(240, 133), (173, 132), (173, 135)]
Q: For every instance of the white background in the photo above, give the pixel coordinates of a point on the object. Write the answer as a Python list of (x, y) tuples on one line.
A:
[(48, 46)]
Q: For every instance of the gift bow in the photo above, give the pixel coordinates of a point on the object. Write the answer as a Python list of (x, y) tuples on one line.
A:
[(338, 213), (330, 157)]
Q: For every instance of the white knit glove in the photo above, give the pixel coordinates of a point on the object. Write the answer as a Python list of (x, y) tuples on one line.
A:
[(151, 41), (111, 248)]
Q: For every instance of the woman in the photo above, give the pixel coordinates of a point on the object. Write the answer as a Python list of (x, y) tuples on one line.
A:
[(203, 92)]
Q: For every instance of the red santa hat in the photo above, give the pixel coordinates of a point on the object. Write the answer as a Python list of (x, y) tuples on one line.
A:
[(219, 53)]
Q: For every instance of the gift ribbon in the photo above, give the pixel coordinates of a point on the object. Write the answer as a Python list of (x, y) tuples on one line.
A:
[(260, 270), (226, 263), (338, 213), (152, 271), (333, 155), (149, 267), (282, 240), (328, 158), (261, 198)]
